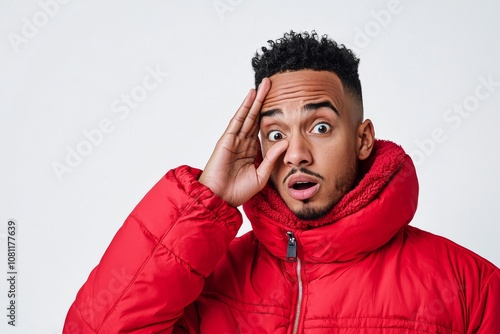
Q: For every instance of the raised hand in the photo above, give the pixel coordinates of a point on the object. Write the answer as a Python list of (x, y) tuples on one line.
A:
[(230, 172)]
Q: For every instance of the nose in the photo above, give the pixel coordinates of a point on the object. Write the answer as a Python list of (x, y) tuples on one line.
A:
[(298, 152)]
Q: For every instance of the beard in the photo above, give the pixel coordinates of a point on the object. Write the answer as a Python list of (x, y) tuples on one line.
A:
[(343, 184), (308, 212)]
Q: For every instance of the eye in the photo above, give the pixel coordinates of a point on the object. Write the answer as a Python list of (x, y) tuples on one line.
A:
[(275, 135), (322, 128)]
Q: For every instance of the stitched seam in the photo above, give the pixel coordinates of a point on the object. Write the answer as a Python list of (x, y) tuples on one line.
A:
[(244, 310), (382, 327), (211, 294), (139, 271), (385, 318), (159, 243), (83, 319)]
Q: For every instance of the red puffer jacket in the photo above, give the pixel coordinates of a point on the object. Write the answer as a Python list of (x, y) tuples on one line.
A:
[(176, 267)]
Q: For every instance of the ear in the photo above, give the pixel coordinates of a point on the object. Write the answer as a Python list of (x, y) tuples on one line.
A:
[(365, 139)]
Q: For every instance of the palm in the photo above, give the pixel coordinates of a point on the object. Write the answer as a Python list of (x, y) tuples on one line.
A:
[(230, 173)]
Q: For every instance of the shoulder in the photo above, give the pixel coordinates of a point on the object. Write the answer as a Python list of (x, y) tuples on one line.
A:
[(444, 254)]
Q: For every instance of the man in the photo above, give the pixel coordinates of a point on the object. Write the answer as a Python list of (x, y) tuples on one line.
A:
[(330, 249)]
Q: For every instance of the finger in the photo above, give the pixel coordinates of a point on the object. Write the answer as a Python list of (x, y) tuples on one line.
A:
[(239, 117), (252, 118), (254, 130), (265, 88), (266, 166)]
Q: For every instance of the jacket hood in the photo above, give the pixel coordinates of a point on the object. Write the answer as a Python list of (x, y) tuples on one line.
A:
[(367, 217)]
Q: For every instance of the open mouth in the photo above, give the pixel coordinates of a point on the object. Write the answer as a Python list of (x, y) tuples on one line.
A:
[(303, 190), (303, 185)]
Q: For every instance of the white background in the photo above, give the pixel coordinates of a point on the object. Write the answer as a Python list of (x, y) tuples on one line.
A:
[(60, 79)]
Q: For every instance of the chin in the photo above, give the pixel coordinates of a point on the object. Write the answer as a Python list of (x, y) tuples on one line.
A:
[(310, 212)]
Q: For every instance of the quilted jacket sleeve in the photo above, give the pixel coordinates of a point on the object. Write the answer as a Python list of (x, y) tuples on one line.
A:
[(158, 260), (485, 319)]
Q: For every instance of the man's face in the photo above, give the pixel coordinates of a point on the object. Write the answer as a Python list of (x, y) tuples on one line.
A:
[(312, 112)]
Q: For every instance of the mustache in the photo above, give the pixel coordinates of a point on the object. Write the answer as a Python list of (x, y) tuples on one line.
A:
[(302, 170)]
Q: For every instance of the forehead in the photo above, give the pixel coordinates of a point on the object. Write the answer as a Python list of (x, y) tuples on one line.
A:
[(304, 86)]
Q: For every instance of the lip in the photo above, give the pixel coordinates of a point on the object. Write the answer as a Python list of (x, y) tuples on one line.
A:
[(302, 194)]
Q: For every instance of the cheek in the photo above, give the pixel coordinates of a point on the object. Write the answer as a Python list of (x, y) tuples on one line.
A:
[(335, 156)]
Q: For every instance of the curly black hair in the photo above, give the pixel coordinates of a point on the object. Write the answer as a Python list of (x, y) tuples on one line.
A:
[(298, 51)]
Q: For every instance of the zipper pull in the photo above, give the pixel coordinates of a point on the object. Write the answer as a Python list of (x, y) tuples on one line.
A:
[(291, 251)]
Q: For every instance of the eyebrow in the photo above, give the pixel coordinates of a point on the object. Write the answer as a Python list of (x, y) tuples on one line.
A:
[(315, 106), (307, 107)]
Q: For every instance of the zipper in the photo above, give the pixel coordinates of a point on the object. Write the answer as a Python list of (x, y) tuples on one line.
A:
[(291, 251), (291, 256)]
